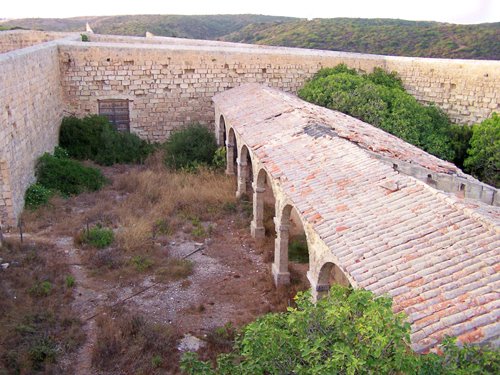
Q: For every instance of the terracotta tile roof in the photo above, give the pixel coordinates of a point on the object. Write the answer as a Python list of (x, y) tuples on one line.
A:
[(437, 255)]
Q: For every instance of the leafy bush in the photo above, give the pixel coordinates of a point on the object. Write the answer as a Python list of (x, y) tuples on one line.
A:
[(348, 332), (190, 147), (380, 99), (37, 195), (97, 236), (94, 138), (219, 159), (69, 177), (484, 154)]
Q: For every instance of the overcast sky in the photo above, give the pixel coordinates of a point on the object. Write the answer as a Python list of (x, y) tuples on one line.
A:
[(454, 11)]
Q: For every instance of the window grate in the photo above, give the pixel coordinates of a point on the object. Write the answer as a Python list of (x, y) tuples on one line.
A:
[(117, 112)]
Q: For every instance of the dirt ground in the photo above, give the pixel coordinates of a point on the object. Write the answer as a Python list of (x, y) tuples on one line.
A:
[(230, 281)]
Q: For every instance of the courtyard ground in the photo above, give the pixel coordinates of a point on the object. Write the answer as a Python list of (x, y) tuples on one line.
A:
[(182, 272)]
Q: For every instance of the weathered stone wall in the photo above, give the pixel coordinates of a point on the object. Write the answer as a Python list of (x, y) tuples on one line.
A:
[(171, 84), (17, 39), (31, 109)]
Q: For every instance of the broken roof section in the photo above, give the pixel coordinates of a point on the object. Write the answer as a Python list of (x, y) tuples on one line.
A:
[(435, 253)]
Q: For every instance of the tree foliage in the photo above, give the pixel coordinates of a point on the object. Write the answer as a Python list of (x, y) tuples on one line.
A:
[(348, 332), (483, 159), (380, 99)]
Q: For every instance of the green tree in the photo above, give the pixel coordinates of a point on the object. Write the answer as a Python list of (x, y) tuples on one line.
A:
[(348, 332), (484, 154), (379, 99)]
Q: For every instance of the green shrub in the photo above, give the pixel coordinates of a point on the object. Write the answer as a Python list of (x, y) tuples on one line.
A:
[(61, 153), (37, 195), (94, 138), (69, 177), (380, 99), (190, 147), (219, 159), (460, 136), (483, 159), (97, 236), (347, 332)]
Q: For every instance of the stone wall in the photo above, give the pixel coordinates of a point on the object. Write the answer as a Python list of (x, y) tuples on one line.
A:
[(31, 109), (17, 39), (171, 84)]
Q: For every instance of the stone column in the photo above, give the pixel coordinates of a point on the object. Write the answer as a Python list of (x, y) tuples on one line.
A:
[(318, 290), (229, 158), (242, 178), (257, 226), (280, 265)]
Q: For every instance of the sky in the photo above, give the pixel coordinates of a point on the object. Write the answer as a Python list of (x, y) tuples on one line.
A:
[(453, 11)]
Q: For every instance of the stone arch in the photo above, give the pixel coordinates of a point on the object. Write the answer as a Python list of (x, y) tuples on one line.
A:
[(263, 191), (329, 274), (245, 172), (221, 132), (284, 225), (231, 152)]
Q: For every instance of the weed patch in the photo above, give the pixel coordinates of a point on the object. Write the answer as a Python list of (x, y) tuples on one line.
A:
[(97, 236)]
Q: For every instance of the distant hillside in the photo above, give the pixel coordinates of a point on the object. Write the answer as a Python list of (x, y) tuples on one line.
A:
[(380, 36), (376, 36), (198, 27)]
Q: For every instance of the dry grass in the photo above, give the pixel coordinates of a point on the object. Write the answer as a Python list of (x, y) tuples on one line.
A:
[(37, 325), (157, 195), (129, 343)]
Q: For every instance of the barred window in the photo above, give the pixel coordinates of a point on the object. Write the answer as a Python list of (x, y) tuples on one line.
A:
[(117, 112)]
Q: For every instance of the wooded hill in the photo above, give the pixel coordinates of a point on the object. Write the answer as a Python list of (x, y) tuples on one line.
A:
[(197, 27), (375, 36), (380, 36)]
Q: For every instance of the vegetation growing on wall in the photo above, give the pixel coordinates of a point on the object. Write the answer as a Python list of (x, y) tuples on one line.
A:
[(348, 332), (94, 138)]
